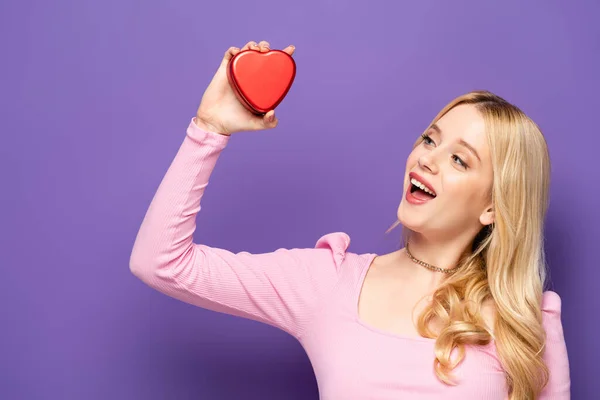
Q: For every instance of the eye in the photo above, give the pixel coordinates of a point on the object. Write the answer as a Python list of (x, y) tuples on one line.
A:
[(459, 161), (427, 139)]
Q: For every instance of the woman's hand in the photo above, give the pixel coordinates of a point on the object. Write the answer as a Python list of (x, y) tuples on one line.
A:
[(220, 111)]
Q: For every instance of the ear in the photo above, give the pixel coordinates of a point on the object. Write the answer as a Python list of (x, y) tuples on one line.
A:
[(487, 217)]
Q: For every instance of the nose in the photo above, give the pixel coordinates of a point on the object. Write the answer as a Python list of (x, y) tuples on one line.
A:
[(427, 162)]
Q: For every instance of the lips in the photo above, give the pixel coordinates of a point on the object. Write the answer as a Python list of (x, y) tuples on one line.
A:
[(422, 180), (415, 200), (411, 198)]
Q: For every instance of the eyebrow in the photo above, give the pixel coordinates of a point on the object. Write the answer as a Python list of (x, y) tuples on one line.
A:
[(461, 141)]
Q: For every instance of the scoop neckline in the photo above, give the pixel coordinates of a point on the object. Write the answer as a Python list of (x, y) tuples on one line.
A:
[(360, 321)]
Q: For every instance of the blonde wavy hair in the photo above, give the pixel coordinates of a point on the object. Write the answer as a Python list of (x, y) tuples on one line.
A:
[(506, 262)]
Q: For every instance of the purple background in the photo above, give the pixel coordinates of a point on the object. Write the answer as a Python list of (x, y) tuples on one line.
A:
[(95, 98)]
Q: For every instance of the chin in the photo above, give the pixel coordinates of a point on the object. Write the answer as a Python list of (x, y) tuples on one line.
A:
[(408, 219)]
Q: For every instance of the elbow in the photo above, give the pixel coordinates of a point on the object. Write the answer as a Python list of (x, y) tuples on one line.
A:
[(135, 269), (141, 268), (150, 268), (143, 263)]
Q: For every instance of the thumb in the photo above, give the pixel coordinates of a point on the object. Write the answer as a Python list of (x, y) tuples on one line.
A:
[(267, 121)]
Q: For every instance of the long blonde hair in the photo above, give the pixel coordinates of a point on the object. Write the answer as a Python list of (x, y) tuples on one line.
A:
[(506, 263)]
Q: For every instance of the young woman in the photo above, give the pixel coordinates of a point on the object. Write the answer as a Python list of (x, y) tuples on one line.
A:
[(458, 313)]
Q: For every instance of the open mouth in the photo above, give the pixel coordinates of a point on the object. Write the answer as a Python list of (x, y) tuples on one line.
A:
[(420, 191)]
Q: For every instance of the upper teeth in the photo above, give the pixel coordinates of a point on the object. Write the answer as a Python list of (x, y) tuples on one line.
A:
[(421, 186)]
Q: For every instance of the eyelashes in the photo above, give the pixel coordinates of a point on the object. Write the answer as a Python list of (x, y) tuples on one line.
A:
[(460, 161)]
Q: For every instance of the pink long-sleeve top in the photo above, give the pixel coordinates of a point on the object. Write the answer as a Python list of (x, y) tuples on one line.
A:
[(312, 294)]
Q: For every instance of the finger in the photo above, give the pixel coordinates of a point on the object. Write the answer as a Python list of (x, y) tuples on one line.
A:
[(266, 121), (230, 53), (264, 46), (290, 49), (269, 117), (270, 120), (250, 45)]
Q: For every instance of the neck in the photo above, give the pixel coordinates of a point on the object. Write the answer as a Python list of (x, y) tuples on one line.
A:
[(440, 252)]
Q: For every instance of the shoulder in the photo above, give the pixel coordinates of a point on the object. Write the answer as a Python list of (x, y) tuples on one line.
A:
[(551, 315), (551, 302), (337, 243), (555, 350), (335, 246)]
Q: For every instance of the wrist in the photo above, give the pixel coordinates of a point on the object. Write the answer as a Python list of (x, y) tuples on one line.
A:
[(209, 127)]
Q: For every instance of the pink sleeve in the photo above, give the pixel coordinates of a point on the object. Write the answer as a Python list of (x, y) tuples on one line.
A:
[(282, 288), (555, 355)]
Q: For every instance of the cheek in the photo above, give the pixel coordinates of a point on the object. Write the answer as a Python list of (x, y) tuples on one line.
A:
[(465, 195), (460, 189), (412, 159)]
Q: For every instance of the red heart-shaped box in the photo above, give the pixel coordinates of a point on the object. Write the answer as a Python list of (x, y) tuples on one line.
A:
[(261, 80)]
